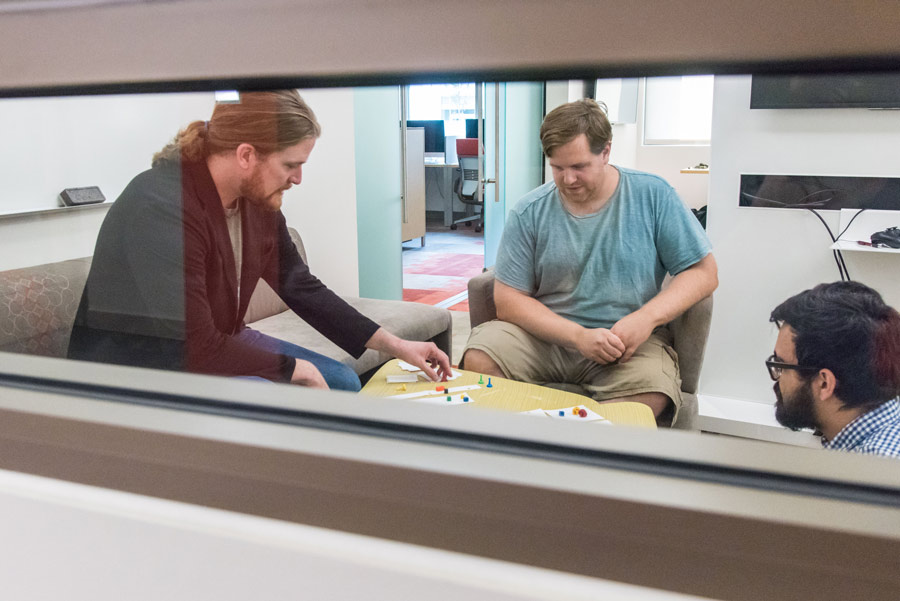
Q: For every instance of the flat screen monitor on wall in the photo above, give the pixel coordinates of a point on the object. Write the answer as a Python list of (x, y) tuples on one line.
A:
[(434, 134), (824, 192), (860, 90)]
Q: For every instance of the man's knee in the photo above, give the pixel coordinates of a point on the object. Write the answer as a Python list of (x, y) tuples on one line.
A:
[(478, 361)]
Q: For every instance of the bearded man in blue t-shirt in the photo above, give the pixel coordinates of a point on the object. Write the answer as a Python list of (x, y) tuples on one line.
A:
[(580, 269)]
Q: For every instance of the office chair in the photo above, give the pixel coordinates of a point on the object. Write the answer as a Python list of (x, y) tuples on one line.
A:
[(466, 187)]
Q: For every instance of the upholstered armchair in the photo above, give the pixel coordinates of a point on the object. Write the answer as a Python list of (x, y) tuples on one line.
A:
[(689, 332)]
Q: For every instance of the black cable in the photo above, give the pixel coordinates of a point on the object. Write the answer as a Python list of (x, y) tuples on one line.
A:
[(798, 204), (838, 257), (839, 236), (844, 231)]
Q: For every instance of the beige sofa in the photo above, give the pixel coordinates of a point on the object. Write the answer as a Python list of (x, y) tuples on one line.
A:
[(38, 304), (689, 333)]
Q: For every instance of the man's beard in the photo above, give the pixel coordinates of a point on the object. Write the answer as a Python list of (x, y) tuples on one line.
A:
[(798, 412), (252, 191)]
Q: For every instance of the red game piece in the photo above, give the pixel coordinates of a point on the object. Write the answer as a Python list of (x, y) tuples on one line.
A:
[(439, 388), (582, 413)]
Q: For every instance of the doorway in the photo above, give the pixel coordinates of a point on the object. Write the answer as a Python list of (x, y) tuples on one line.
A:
[(438, 264)]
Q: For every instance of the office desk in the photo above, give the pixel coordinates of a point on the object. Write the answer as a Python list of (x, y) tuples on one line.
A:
[(509, 395), (444, 172)]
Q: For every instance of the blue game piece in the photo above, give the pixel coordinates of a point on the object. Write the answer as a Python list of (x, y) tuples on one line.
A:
[(489, 385), (562, 413), (465, 399)]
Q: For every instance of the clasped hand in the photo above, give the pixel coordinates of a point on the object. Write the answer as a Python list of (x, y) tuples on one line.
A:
[(616, 344)]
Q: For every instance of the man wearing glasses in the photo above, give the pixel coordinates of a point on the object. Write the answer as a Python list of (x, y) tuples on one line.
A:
[(836, 367)]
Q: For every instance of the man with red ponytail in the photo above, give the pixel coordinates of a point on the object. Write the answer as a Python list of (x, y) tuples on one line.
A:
[(836, 367), (182, 249)]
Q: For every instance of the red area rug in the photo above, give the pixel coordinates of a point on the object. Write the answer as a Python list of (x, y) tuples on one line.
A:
[(442, 268)]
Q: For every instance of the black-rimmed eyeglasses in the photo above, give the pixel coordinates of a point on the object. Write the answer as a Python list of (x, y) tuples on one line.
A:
[(776, 368)]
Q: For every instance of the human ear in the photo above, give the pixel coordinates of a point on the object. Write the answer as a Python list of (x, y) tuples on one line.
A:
[(824, 384), (245, 155)]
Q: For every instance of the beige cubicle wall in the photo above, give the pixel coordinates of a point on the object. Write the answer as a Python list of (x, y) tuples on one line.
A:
[(413, 207)]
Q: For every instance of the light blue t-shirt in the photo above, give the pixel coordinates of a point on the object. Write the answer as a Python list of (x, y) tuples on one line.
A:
[(595, 269)]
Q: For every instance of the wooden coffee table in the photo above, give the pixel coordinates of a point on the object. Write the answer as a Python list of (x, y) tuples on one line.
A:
[(509, 395)]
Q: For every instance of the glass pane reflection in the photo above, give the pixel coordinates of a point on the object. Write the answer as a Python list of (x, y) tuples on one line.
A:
[(106, 141)]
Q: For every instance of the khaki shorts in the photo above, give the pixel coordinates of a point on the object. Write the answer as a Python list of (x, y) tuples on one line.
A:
[(523, 357)]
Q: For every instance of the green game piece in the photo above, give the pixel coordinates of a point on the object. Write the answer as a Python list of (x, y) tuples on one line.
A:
[(481, 379), (449, 398)]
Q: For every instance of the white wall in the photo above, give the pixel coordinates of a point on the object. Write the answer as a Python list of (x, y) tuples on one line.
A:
[(323, 207), (56, 143), (68, 142), (628, 149), (668, 161), (625, 144), (767, 255)]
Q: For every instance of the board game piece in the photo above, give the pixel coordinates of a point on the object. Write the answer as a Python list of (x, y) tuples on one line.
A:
[(434, 393), (456, 399), (402, 378), (577, 412)]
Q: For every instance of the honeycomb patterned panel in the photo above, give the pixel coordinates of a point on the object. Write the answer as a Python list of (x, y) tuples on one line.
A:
[(37, 308)]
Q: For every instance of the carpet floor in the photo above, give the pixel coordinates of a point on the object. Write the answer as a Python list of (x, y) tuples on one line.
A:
[(439, 272)]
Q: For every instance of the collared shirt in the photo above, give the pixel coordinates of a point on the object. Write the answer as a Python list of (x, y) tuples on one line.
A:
[(876, 432)]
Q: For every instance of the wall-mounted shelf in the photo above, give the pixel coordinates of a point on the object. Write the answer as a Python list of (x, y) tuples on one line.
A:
[(851, 245), (51, 211), (862, 227)]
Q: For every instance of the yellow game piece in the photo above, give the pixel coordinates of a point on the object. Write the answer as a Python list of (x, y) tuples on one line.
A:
[(402, 388)]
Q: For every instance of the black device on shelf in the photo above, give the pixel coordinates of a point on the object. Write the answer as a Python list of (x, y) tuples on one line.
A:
[(887, 238), (74, 197)]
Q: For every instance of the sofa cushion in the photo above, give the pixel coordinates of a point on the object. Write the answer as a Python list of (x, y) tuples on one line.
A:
[(38, 305), (412, 321), (264, 303)]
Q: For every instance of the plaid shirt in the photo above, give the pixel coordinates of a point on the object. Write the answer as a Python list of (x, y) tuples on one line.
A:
[(876, 432)]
